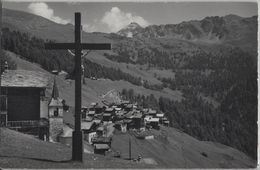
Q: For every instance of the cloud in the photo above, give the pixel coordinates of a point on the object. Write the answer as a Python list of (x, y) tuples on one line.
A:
[(42, 9), (89, 28), (116, 19)]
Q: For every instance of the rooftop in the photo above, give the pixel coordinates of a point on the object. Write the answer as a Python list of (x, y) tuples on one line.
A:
[(101, 146), (102, 140), (107, 114), (109, 109), (86, 125), (151, 119), (24, 78), (160, 115), (56, 102)]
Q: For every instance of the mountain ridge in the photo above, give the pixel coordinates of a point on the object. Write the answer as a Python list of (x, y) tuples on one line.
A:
[(210, 29)]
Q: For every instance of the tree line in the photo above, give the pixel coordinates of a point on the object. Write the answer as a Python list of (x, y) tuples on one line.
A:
[(32, 49)]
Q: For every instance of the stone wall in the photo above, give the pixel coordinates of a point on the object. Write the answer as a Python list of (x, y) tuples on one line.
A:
[(56, 128)]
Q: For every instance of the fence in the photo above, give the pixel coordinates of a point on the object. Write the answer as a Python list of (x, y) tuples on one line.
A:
[(24, 123)]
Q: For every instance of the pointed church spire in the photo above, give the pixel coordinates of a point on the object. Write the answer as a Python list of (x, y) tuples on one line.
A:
[(55, 92)]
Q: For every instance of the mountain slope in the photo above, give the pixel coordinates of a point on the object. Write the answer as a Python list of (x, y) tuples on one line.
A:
[(174, 149), (18, 150)]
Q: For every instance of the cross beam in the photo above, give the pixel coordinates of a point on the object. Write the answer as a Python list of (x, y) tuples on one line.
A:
[(77, 138), (90, 46)]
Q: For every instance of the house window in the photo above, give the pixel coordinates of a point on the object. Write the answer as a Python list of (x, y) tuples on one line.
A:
[(56, 113)]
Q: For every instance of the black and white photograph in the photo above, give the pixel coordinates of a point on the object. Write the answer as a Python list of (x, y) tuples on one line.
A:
[(128, 84)]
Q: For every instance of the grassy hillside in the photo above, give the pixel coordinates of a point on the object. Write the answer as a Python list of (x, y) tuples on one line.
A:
[(18, 150), (172, 148)]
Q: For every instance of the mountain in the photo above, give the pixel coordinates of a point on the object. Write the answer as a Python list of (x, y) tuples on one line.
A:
[(130, 30), (227, 29), (201, 73)]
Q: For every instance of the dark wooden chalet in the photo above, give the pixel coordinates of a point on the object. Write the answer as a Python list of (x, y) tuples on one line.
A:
[(23, 97), (101, 149)]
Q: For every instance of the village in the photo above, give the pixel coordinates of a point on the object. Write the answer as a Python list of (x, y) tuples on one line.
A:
[(27, 108)]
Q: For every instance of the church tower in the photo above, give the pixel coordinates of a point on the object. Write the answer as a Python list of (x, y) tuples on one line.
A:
[(55, 114)]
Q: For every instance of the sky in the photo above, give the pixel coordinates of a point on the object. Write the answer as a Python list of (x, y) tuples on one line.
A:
[(113, 16)]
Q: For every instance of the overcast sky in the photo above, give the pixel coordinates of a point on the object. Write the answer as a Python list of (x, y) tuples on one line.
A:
[(112, 16)]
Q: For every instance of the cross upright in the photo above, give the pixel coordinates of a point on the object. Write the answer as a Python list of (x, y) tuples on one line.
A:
[(77, 136)]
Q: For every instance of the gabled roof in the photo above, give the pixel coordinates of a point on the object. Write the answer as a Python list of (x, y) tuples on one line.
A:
[(109, 109), (101, 146), (86, 125), (91, 112), (56, 102), (150, 119), (159, 115), (107, 114), (24, 78), (151, 111)]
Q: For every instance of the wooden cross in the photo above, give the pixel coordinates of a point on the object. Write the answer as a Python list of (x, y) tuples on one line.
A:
[(77, 137)]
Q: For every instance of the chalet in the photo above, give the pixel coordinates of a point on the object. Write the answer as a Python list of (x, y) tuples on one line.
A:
[(125, 102), (93, 104), (88, 118), (23, 98), (128, 107), (100, 131), (166, 123), (102, 140), (152, 112), (89, 136), (154, 122), (137, 122), (88, 127), (89, 130), (110, 111), (91, 113), (107, 117), (128, 123), (98, 109), (160, 116), (84, 110), (101, 148), (97, 121), (118, 109)]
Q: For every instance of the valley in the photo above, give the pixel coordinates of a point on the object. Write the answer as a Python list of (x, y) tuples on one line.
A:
[(201, 74)]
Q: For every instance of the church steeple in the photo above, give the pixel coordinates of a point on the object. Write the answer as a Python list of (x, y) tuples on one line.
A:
[(55, 91)]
